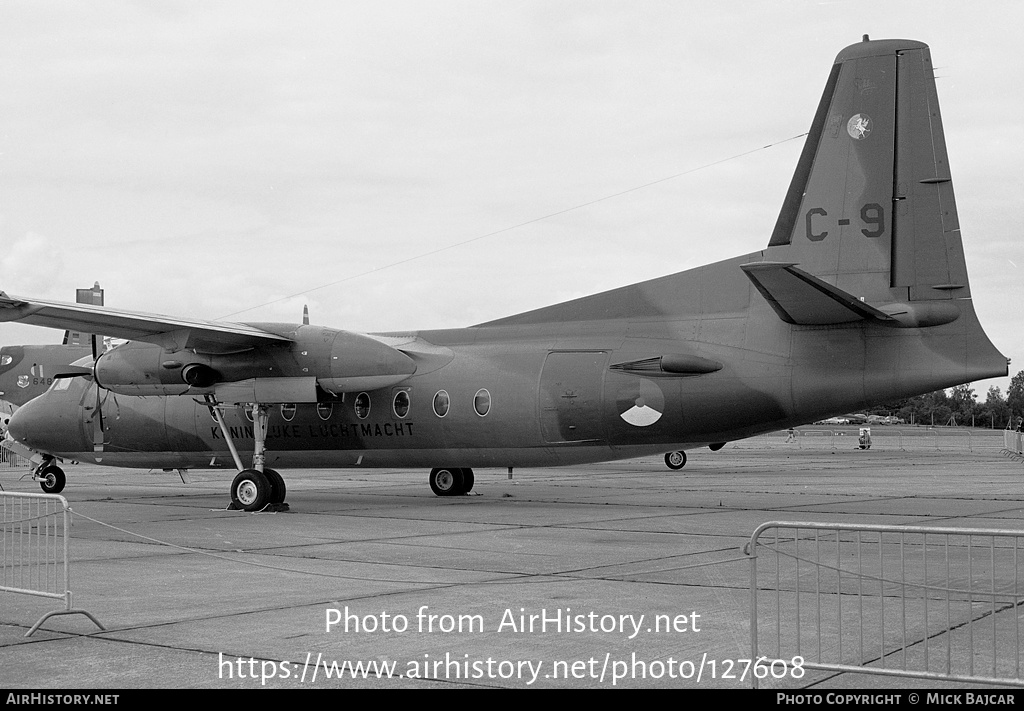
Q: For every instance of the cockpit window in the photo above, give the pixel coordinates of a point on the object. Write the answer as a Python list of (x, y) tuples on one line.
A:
[(5, 360), (61, 384)]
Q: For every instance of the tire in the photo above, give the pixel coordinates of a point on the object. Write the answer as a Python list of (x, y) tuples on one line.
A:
[(53, 479), (277, 486), (251, 490), (467, 480), (675, 460), (446, 481)]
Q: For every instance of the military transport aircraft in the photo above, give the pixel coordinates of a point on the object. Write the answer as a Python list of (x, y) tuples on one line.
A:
[(860, 296)]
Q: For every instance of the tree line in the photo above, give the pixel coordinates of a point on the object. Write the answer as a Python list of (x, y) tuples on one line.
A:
[(960, 406)]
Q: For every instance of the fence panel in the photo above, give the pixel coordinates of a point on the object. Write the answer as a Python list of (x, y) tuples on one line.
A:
[(884, 437), (933, 603), (35, 549)]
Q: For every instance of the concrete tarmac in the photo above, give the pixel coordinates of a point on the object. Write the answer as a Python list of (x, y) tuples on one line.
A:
[(623, 574)]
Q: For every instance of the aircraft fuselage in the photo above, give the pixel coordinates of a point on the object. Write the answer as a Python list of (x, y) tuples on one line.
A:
[(554, 393)]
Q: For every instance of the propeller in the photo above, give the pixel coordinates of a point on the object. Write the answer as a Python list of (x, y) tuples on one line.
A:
[(97, 417), (73, 371)]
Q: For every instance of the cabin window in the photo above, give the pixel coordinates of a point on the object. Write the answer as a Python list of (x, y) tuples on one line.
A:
[(441, 403), (288, 412), (362, 406), (401, 403), (324, 409), (61, 384), (6, 360), (482, 402)]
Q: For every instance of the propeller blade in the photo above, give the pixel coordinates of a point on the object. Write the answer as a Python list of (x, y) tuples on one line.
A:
[(97, 423), (97, 416)]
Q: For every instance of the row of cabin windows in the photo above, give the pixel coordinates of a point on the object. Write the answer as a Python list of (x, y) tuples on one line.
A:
[(400, 405)]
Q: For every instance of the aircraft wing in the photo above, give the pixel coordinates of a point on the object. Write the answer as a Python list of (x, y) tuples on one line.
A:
[(167, 331)]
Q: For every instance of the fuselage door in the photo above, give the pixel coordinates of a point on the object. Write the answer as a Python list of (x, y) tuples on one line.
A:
[(571, 386)]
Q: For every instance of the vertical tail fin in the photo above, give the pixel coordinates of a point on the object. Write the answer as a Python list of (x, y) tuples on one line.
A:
[(870, 209)]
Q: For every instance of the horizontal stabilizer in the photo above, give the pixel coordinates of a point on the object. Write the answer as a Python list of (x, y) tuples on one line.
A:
[(804, 300)]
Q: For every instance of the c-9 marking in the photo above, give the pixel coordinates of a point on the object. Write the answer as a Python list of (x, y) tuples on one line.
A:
[(872, 215)]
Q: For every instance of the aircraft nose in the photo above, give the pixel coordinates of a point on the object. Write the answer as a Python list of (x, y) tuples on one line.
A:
[(18, 425), (51, 423), (29, 424)]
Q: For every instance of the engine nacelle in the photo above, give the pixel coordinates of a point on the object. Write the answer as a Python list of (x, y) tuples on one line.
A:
[(358, 362), (339, 361)]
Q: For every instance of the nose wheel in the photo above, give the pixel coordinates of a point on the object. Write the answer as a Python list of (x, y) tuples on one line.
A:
[(51, 479)]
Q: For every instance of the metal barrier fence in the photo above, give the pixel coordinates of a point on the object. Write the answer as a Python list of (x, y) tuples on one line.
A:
[(905, 601), (35, 552), (10, 459), (1013, 443), (882, 438)]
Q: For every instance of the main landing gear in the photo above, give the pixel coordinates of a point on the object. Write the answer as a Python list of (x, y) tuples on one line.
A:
[(451, 482), (675, 460), (252, 489), (258, 487)]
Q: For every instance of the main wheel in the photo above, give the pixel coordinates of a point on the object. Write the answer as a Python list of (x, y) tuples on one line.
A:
[(467, 480), (277, 487), (53, 479), (446, 482), (251, 490), (675, 460)]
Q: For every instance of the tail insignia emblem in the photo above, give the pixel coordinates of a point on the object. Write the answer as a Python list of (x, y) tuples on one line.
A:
[(859, 127)]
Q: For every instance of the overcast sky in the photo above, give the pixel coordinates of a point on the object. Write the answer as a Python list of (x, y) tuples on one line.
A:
[(217, 159)]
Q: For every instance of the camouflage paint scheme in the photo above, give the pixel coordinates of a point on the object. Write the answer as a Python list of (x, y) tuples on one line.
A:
[(861, 296)]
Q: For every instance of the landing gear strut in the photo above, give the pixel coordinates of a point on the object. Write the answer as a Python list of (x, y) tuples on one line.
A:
[(254, 488), (450, 481)]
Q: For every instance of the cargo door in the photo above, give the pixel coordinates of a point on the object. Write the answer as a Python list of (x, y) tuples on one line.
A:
[(571, 386)]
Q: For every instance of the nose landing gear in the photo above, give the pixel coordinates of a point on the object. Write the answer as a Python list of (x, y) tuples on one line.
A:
[(50, 477)]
